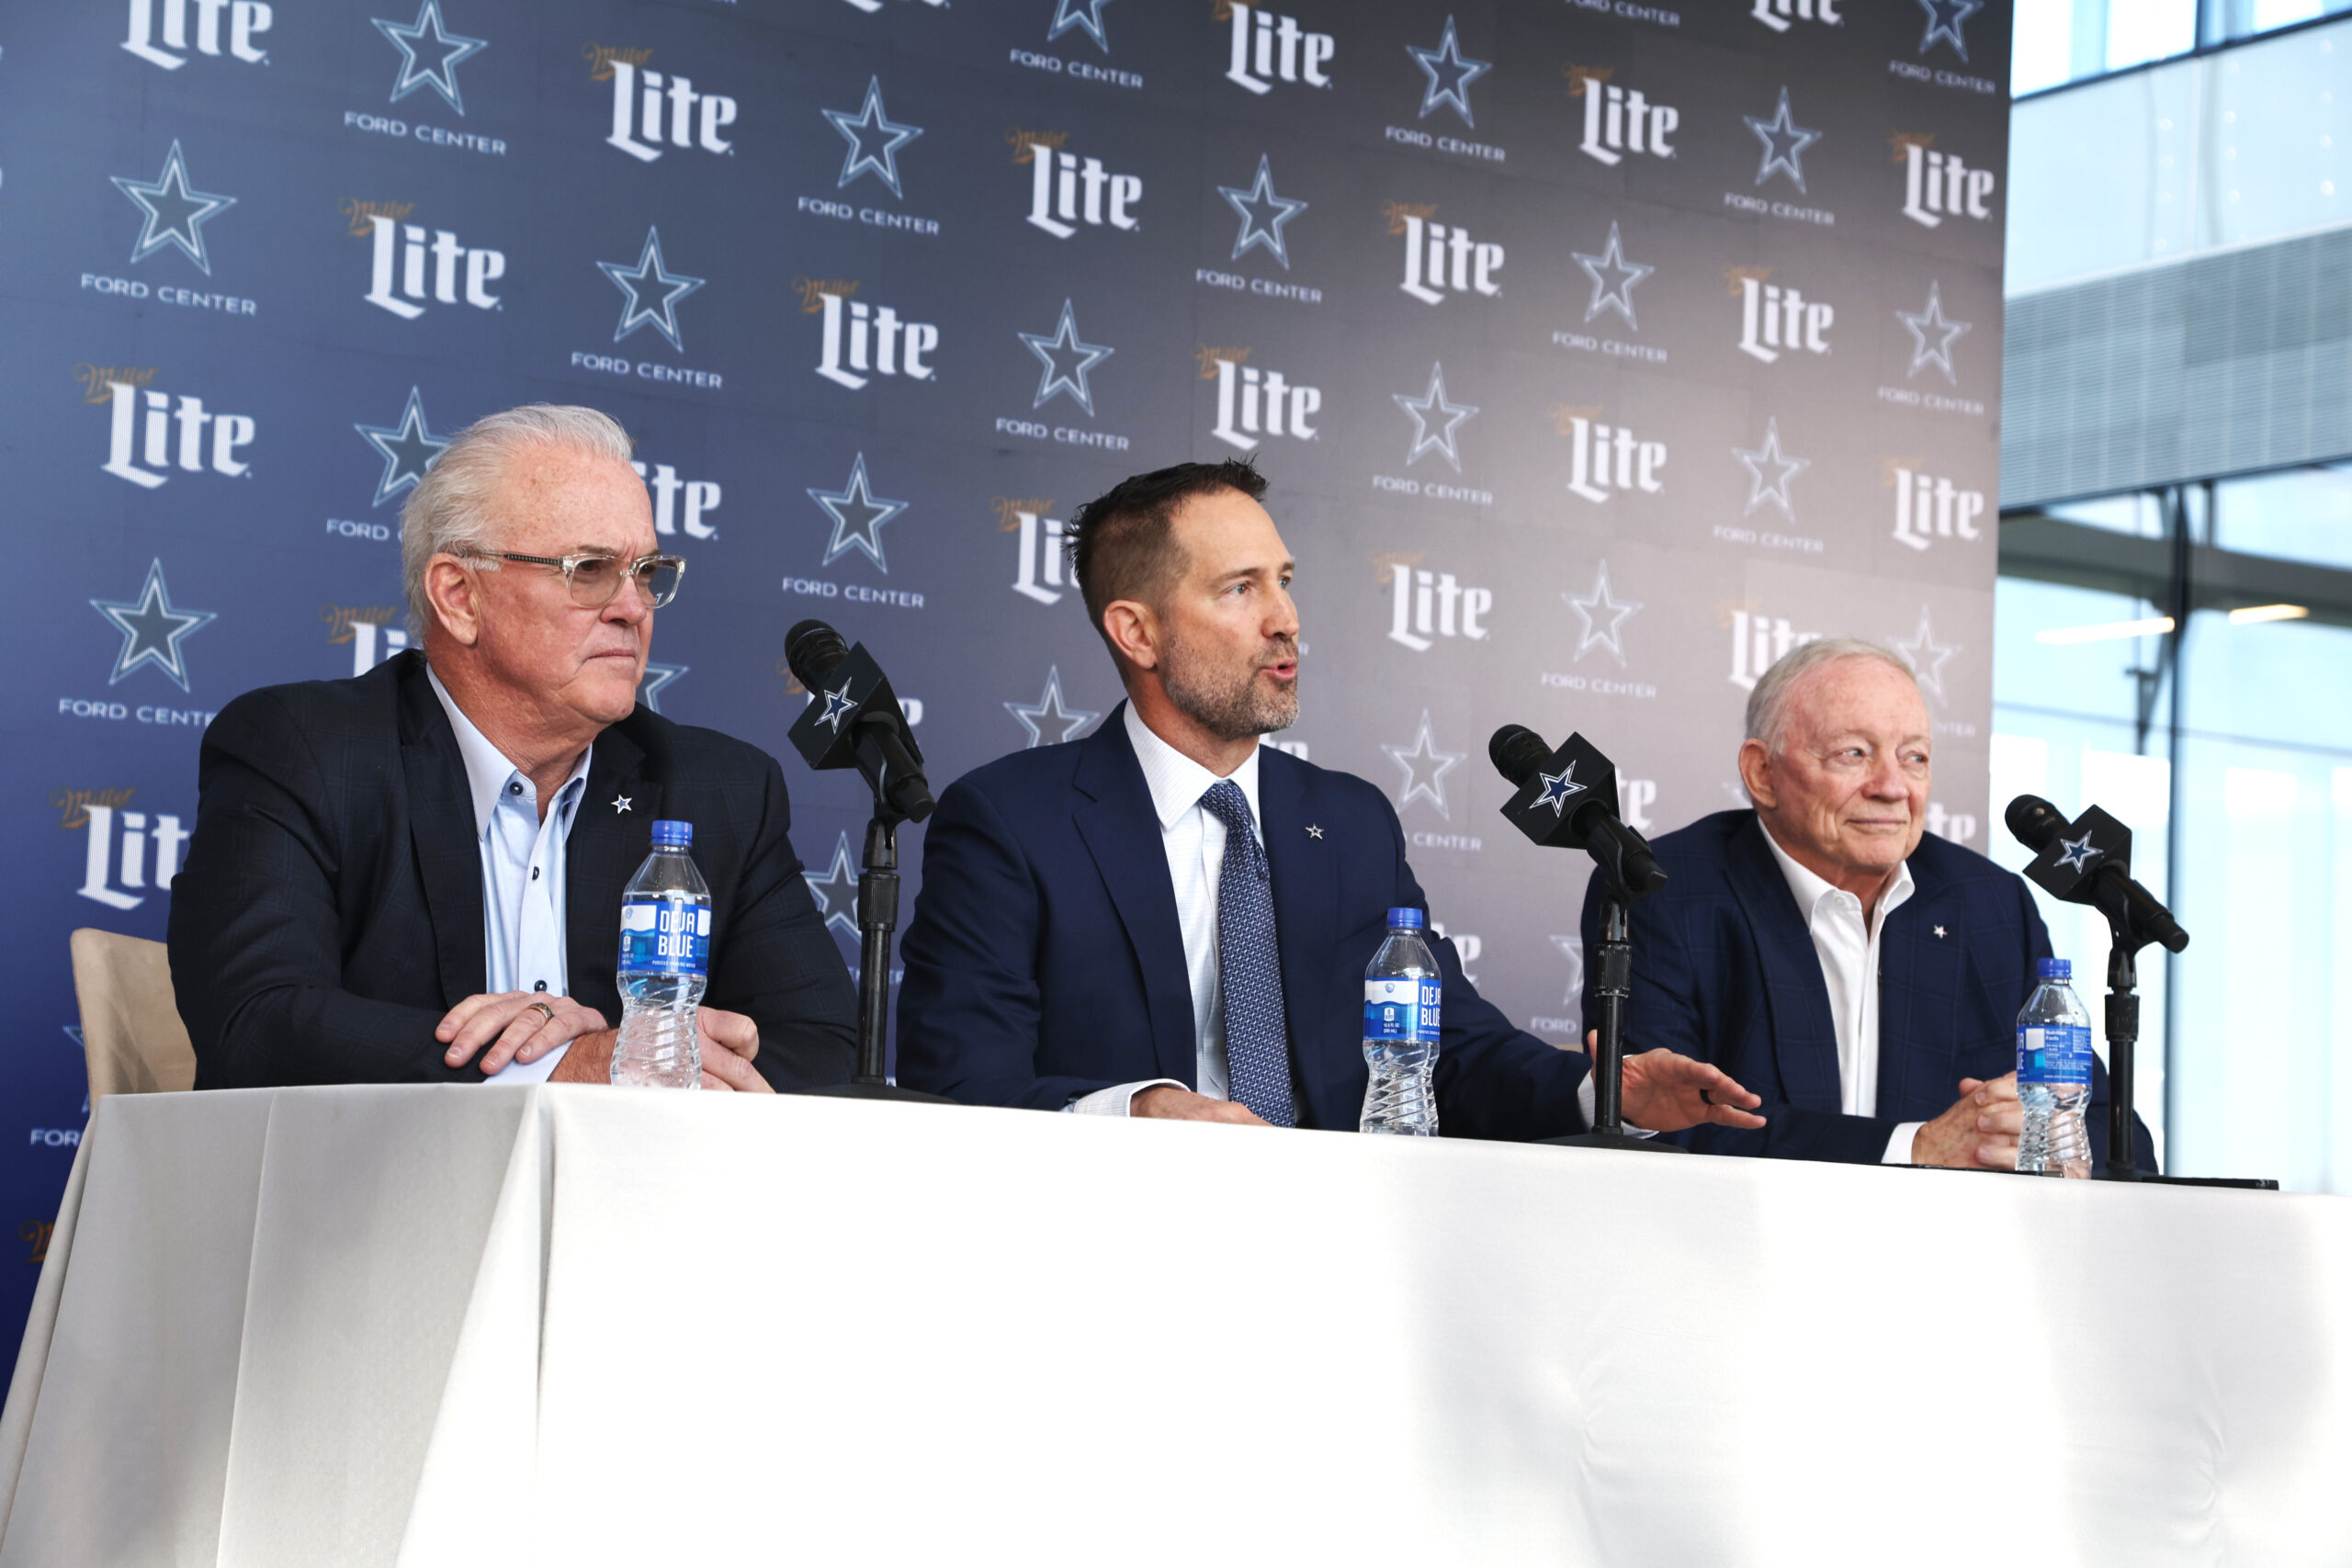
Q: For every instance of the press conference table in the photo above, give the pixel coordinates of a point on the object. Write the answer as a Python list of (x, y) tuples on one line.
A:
[(457, 1325)]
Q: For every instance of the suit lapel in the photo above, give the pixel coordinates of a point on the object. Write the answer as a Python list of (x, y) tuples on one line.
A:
[(1306, 916), (1804, 1037), (1121, 830), (1919, 985), (441, 826), (608, 840)]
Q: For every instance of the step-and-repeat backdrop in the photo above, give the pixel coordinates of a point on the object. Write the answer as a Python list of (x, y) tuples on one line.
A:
[(1598, 351)]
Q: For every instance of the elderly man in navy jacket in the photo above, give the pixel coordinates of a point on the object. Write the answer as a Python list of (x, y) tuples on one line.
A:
[(1863, 977), (1166, 918)]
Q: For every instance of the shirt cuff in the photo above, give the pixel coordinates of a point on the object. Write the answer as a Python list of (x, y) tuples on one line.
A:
[(1898, 1143), (1589, 1102), (1114, 1102), (530, 1072)]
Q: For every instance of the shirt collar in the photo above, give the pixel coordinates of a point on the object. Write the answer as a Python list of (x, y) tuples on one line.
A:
[(1809, 889), (488, 769), (1177, 782)]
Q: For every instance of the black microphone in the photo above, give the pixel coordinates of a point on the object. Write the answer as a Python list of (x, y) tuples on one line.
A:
[(853, 719), (2089, 861), (1567, 799)]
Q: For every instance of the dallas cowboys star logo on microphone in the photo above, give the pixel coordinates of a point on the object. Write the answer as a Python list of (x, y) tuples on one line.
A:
[(1785, 144), (858, 515), (1930, 322), (652, 280), (1050, 351), (1433, 401), (152, 629), (408, 449), (429, 54), (1087, 16), (1944, 18), (837, 707), (1449, 74), (1612, 279), (1262, 214), (874, 140), (2076, 854), (176, 213), (1557, 788)]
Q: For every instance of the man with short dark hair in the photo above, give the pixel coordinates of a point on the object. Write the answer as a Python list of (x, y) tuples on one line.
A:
[(415, 875), (1864, 976), (1166, 918)]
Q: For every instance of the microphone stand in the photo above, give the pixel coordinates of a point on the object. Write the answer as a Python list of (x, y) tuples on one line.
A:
[(1613, 984), (897, 784)]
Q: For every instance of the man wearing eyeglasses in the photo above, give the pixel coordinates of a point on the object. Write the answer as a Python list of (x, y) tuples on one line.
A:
[(415, 875)]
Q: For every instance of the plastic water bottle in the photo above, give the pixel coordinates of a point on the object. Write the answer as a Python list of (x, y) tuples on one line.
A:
[(1401, 991), (2054, 1075), (664, 964)]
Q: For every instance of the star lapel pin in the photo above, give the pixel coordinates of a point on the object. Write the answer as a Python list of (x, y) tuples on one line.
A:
[(1939, 931), (1313, 831), (620, 804)]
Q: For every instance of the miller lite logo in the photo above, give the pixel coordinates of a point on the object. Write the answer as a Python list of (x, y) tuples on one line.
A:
[(681, 501), (863, 340), (159, 27), (149, 434), (371, 631), (1040, 574), (1620, 121), (1605, 460), (1065, 190), (1428, 605), (1928, 507), (1936, 185), (401, 280), (1758, 640), (644, 103), (119, 843), (1442, 257), (1775, 319), (1267, 49), (1252, 402), (1778, 15)]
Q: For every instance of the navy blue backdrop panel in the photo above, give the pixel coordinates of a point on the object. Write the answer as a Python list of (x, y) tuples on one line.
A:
[(1598, 351)]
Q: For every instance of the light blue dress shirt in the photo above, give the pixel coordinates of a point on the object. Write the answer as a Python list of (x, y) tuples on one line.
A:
[(522, 872)]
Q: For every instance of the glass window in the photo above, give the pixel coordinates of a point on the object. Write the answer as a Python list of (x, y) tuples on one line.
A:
[(2141, 30), (2300, 515)]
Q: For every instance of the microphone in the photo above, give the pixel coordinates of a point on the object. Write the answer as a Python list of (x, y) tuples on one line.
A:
[(1567, 799), (853, 719), (2089, 861)]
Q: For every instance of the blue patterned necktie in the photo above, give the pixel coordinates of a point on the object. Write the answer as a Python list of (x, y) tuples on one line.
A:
[(1257, 1036)]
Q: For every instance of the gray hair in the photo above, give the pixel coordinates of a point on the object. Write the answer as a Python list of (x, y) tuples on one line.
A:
[(1768, 704), (449, 511)]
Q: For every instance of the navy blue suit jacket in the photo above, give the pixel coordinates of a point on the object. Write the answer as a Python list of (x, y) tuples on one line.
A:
[(1045, 960), (1724, 970)]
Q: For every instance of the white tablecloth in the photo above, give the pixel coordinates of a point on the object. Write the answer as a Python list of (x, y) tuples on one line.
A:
[(456, 1326)]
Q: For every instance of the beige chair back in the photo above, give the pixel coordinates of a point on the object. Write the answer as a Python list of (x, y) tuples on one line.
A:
[(131, 1033)]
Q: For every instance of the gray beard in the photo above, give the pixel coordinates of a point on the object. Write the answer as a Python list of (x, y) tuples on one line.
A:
[(1230, 709)]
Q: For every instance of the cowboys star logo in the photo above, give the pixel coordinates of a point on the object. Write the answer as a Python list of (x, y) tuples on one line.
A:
[(429, 54), (837, 707), (1930, 322), (1050, 352), (409, 450), (1262, 214), (2076, 854), (874, 140), (858, 515), (152, 629), (1433, 403), (176, 213), (1449, 74), (1556, 789), (651, 280)]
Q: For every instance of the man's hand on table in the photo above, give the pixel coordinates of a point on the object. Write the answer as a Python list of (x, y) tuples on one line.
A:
[(515, 1029), (1980, 1131), (1666, 1091), (1174, 1104)]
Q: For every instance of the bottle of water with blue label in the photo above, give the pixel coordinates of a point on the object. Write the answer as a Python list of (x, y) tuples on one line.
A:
[(664, 964), (2054, 1075), (1400, 1024)]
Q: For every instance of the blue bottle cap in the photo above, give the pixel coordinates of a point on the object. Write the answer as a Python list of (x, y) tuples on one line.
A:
[(2054, 968), (1409, 919), (669, 835)]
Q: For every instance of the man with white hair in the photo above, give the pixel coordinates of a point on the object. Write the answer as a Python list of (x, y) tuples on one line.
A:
[(1864, 978), (415, 875)]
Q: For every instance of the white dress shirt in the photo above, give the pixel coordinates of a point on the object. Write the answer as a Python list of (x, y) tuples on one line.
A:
[(522, 872), (1847, 945)]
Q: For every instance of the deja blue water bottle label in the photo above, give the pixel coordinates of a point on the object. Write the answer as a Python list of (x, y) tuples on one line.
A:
[(2058, 1055), (1401, 1010), (664, 936)]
